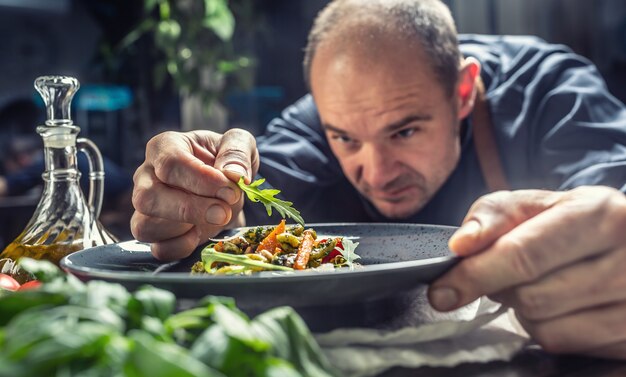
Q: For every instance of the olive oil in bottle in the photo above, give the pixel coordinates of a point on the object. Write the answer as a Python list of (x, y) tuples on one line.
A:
[(64, 221)]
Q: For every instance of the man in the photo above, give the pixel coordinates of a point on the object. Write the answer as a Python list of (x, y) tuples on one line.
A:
[(390, 134)]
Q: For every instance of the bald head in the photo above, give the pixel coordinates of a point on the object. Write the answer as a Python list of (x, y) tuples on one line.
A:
[(363, 28)]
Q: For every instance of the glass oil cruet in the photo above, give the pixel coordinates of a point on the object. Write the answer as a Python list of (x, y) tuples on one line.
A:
[(64, 221)]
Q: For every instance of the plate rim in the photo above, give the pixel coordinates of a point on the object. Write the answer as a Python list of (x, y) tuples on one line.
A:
[(149, 277)]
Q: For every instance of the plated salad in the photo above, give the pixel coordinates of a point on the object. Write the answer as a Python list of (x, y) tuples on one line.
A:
[(275, 248)]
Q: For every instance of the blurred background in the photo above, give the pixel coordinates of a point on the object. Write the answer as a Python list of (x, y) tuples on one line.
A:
[(146, 66)]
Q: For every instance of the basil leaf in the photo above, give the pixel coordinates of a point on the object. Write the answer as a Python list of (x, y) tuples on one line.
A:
[(151, 357), (67, 327), (291, 340)]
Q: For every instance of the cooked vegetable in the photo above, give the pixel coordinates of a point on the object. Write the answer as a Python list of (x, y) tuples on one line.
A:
[(283, 248), (69, 328), (288, 241), (267, 197), (324, 247), (304, 251), (211, 256), (271, 248), (270, 243)]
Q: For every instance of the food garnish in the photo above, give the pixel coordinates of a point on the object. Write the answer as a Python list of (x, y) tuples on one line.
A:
[(274, 248), (267, 197)]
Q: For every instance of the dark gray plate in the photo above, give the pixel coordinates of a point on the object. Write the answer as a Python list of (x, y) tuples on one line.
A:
[(396, 259)]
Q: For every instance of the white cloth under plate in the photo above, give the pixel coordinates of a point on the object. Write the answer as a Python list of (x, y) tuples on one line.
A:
[(482, 331)]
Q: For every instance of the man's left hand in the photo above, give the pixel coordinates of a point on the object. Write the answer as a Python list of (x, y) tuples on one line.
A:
[(557, 258)]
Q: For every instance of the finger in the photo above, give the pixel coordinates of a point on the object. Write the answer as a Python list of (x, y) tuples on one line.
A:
[(182, 245), (155, 199), (153, 229), (237, 155), (580, 332), (534, 248), (171, 240), (185, 161), (177, 247), (590, 283), (495, 214), (209, 231)]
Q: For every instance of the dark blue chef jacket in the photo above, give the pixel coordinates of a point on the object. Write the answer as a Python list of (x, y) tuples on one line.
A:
[(556, 126)]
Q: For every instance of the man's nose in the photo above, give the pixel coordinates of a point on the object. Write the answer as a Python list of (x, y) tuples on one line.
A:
[(377, 165)]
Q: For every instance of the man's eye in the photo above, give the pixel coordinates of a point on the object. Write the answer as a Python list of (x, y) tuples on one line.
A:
[(343, 139), (405, 133)]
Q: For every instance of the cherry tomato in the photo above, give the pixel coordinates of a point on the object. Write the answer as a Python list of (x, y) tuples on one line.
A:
[(33, 284), (7, 282)]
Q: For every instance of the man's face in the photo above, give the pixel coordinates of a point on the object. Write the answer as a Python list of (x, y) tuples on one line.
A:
[(389, 122)]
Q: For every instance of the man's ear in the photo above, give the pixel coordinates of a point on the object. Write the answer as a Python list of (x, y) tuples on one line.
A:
[(466, 87)]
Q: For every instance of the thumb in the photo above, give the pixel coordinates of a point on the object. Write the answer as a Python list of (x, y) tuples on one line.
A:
[(237, 155), (494, 215)]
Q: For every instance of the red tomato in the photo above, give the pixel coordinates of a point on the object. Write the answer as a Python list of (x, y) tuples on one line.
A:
[(33, 284), (7, 282), (333, 253)]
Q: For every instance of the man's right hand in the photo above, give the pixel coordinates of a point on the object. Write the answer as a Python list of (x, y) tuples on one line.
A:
[(185, 191)]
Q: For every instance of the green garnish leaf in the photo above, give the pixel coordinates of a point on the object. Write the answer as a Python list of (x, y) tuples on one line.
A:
[(210, 256), (266, 196), (348, 252)]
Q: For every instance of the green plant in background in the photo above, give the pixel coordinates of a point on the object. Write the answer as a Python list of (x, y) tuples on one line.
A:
[(200, 48)]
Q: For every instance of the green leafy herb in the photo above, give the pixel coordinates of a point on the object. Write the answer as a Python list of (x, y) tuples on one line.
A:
[(210, 256), (348, 252), (267, 197), (99, 329)]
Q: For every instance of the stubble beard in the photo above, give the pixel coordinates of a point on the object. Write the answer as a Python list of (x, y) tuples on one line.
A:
[(404, 206)]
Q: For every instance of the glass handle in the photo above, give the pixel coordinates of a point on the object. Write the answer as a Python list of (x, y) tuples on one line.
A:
[(96, 175)]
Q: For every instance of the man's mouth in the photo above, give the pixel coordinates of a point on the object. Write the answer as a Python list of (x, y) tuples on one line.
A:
[(394, 195)]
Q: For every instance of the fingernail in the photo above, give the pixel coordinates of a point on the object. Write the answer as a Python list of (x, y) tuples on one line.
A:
[(236, 169), (226, 194), (444, 298), (216, 215), (470, 229)]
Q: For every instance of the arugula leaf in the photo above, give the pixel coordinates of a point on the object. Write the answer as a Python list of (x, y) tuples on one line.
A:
[(348, 252), (210, 256), (266, 196)]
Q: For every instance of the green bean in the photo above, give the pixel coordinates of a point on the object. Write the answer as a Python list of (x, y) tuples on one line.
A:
[(323, 248), (296, 230), (313, 232), (231, 248), (289, 239), (257, 234), (258, 257)]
